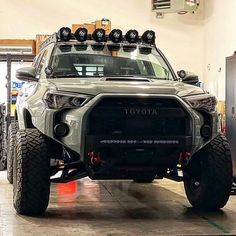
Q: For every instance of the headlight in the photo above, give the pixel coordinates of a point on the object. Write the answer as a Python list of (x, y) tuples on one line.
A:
[(205, 102), (58, 100)]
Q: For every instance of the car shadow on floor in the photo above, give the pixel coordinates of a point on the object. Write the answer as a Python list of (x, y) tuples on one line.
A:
[(114, 199), (127, 207)]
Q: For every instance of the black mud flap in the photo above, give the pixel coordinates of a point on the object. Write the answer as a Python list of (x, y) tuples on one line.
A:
[(3, 138), (233, 190)]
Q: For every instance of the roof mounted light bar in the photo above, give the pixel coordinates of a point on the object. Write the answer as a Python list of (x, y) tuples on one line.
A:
[(64, 34), (99, 36), (149, 37), (132, 36), (116, 36)]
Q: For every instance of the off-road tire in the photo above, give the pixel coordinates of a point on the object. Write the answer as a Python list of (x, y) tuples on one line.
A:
[(12, 130), (208, 177), (2, 142), (31, 173)]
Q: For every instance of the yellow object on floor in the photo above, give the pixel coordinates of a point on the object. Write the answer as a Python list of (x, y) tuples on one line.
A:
[(13, 107)]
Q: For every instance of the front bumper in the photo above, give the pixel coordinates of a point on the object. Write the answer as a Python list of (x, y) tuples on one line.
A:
[(78, 140), (138, 142)]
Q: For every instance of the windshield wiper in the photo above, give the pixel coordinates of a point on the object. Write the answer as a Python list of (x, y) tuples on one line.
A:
[(136, 76), (71, 76)]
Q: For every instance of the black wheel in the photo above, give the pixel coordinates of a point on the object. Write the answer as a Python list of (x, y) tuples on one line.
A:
[(208, 177), (31, 173), (144, 179), (12, 130), (3, 158)]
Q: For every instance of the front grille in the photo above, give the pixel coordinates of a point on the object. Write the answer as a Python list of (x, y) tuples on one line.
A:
[(139, 117)]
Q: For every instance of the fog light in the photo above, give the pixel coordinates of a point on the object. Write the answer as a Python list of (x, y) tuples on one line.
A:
[(61, 130), (206, 131)]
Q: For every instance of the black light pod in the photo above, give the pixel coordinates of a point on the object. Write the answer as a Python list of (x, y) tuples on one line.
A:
[(132, 36), (113, 47), (146, 50), (65, 48), (64, 34), (99, 35), (48, 70), (115, 36), (182, 74), (81, 47), (81, 34), (149, 37), (206, 131), (61, 130)]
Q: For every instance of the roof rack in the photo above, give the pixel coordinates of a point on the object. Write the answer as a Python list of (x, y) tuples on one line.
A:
[(51, 39)]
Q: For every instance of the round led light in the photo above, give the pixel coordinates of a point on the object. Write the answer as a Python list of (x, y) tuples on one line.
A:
[(149, 37), (48, 70), (64, 34), (182, 74), (99, 35), (81, 34), (115, 36), (206, 131), (132, 36), (77, 101), (61, 130)]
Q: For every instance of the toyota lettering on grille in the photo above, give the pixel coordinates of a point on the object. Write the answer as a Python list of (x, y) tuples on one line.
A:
[(141, 111)]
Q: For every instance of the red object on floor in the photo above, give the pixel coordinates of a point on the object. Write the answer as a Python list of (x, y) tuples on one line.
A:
[(68, 188)]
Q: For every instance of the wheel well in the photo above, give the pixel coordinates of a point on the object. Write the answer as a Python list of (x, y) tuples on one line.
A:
[(28, 120)]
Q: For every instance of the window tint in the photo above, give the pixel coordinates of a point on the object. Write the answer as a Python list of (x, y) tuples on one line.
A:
[(68, 61)]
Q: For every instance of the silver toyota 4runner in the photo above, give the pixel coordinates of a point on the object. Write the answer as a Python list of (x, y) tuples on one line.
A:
[(111, 107)]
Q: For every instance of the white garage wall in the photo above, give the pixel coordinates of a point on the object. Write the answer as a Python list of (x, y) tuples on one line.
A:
[(3, 81), (179, 37), (219, 42), (3, 89)]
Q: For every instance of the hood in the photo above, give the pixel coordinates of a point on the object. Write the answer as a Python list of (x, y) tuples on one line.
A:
[(94, 86)]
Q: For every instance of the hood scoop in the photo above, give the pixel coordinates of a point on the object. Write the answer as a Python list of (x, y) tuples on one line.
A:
[(122, 79)]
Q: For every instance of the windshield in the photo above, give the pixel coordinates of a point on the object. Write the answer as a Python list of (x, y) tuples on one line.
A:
[(86, 61)]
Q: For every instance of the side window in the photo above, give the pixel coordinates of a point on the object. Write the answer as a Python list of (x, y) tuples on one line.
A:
[(41, 62)]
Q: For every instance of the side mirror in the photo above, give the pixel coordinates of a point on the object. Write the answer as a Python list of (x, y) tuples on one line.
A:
[(188, 77), (26, 74)]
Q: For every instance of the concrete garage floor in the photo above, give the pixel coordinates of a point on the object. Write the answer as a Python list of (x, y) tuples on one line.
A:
[(88, 207)]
